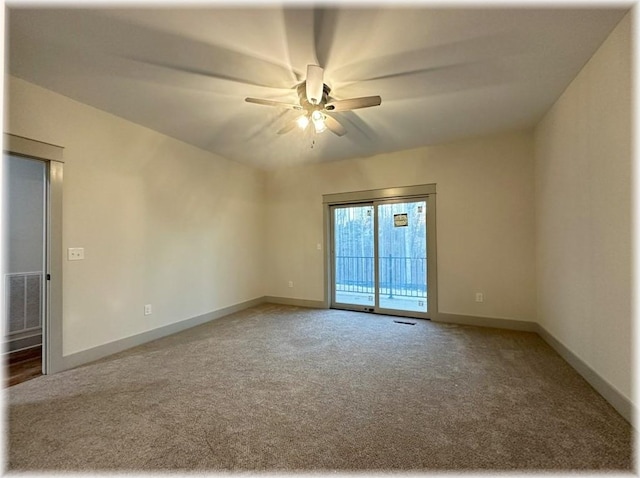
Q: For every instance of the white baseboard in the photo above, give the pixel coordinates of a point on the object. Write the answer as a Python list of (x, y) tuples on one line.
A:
[(611, 394), (509, 324), (101, 351), (311, 304)]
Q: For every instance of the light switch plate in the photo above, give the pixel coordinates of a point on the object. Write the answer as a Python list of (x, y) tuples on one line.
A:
[(75, 253)]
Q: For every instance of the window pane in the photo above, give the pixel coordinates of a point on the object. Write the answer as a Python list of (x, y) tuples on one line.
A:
[(354, 266), (402, 247)]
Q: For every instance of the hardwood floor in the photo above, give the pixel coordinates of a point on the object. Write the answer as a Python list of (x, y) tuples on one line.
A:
[(23, 365)]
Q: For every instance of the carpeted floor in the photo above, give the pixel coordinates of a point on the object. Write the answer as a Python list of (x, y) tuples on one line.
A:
[(277, 388)]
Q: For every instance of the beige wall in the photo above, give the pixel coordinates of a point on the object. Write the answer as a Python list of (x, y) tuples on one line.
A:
[(485, 220), (162, 222), (583, 200)]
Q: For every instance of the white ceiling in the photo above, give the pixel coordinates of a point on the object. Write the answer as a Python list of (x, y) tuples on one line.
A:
[(442, 73)]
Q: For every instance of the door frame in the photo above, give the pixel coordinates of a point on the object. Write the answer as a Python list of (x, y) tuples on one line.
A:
[(373, 197), (51, 155)]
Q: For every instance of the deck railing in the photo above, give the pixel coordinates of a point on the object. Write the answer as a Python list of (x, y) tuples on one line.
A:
[(399, 276)]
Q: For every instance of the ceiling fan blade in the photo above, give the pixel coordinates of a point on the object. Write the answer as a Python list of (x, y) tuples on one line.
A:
[(324, 33), (288, 127), (260, 101), (205, 72), (268, 126), (353, 103), (314, 84), (334, 125)]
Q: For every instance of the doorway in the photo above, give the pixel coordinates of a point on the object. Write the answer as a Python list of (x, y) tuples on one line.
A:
[(382, 251), (32, 257), (25, 202)]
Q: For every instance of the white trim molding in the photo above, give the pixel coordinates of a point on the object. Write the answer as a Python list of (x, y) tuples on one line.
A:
[(610, 393), (32, 148), (507, 324), (101, 351), (403, 192), (310, 304)]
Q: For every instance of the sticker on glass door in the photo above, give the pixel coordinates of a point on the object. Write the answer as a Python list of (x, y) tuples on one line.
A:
[(402, 256)]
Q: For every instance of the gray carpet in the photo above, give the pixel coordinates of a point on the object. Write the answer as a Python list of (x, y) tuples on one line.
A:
[(277, 388)]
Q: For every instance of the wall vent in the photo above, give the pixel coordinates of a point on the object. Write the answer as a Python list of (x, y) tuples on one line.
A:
[(23, 299)]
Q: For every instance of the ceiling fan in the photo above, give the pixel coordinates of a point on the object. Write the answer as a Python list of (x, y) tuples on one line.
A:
[(315, 104)]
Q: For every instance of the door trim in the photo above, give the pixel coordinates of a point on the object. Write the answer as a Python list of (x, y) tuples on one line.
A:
[(372, 196), (52, 357)]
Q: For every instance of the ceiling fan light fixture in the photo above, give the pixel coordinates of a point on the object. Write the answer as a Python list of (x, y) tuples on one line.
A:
[(303, 122), (320, 127), (318, 121)]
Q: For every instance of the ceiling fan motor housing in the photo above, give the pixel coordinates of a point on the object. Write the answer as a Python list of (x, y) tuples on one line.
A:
[(304, 102)]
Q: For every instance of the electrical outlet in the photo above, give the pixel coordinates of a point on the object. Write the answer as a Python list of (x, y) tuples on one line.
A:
[(75, 253), (290, 283), (147, 309), (479, 297)]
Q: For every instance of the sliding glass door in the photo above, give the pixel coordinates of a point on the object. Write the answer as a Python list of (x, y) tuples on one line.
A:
[(353, 258), (402, 256), (379, 256)]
